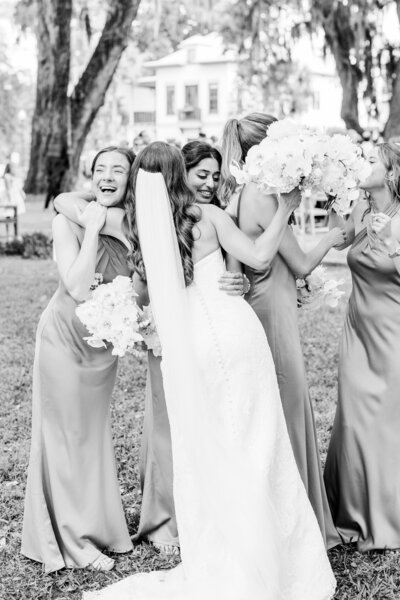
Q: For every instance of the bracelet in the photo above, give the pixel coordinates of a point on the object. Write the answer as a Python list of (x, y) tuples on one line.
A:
[(247, 286)]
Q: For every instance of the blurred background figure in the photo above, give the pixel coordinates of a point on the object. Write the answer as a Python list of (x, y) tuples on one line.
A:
[(11, 188), (202, 137), (145, 137), (138, 144)]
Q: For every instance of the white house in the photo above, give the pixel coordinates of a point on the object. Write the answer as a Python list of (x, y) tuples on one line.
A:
[(195, 89)]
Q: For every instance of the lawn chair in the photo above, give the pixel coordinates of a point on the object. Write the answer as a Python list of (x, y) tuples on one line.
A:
[(311, 216)]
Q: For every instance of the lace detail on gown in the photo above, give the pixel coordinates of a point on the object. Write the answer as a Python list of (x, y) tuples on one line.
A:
[(246, 527)]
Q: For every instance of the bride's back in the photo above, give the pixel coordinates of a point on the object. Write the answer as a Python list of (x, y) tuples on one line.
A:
[(204, 234)]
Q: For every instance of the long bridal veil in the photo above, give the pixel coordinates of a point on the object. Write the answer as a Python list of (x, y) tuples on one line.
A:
[(246, 528)]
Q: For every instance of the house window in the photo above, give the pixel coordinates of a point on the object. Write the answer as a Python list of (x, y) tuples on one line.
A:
[(191, 96), (170, 99), (213, 98)]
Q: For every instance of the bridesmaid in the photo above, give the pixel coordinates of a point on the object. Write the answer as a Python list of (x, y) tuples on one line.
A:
[(73, 508), (273, 297), (157, 515), (362, 474)]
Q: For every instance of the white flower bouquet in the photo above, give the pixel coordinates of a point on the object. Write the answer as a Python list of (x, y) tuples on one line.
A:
[(317, 290), (112, 315), (294, 155)]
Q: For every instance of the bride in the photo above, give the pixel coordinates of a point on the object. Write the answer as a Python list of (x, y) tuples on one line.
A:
[(246, 527)]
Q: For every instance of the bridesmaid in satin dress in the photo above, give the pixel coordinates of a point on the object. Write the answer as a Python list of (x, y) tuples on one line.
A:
[(157, 516), (73, 508), (362, 473), (273, 297)]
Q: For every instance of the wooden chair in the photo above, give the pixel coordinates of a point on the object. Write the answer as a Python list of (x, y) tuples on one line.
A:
[(9, 218), (8, 211), (310, 217)]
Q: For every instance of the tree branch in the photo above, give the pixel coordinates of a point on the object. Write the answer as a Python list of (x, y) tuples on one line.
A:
[(89, 93)]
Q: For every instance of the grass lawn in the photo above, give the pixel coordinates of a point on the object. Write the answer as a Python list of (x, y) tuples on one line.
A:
[(26, 287)]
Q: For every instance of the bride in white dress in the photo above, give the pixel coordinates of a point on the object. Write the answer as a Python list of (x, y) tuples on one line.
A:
[(246, 527)]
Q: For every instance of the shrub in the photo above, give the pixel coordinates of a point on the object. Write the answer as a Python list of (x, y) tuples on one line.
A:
[(31, 245)]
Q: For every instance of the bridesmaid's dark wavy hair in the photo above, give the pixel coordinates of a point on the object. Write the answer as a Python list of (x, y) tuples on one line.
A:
[(127, 152), (389, 154), (196, 151), (163, 158)]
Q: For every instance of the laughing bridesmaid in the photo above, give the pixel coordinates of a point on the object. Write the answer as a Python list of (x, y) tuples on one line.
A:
[(73, 508)]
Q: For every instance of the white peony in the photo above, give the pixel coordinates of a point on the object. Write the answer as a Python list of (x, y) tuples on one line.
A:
[(292, 155), (111, 315)]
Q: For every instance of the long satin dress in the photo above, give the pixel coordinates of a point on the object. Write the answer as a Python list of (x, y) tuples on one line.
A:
[(73, 507), (273, 297), (362, 473), (157, 514)]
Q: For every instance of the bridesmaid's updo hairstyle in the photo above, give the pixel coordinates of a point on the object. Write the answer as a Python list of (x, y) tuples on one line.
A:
[(389, 153), (127, 152), (160, 157), (196, 151), (238, 137)]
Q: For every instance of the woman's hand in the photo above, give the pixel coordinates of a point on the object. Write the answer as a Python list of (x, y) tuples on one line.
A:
[(234, 284), (336, 236), (291, 200), (93, 217), (380, 224)]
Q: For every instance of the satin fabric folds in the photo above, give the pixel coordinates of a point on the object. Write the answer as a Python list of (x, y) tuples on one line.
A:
[(273, 297), (362, 470), (73, 507)]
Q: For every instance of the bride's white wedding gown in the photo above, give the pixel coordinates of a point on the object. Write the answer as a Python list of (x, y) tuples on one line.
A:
[(246, 527)]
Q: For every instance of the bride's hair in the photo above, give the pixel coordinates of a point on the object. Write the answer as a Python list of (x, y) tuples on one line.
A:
[(160, 157), (238, 137)]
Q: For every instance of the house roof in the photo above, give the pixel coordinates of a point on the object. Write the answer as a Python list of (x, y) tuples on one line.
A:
[(205, 48)]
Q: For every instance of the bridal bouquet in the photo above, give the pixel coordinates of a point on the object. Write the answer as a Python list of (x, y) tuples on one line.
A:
[(112, 315), (294, 155), (316, 289)]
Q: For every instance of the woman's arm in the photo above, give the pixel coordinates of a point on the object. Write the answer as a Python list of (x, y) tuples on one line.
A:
[(72, 204), (259, 253), (335, 220), (67, 202), (301, 263), (77, 264), (260, 211), (141, 290)]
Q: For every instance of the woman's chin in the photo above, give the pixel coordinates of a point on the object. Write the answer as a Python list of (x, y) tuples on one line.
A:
[(204, 199), (108, 202)]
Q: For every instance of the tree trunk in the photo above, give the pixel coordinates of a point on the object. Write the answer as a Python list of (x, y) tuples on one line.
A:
[(392, 127), (340, 39), (49, 150), (89, 93), (60, 124)]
